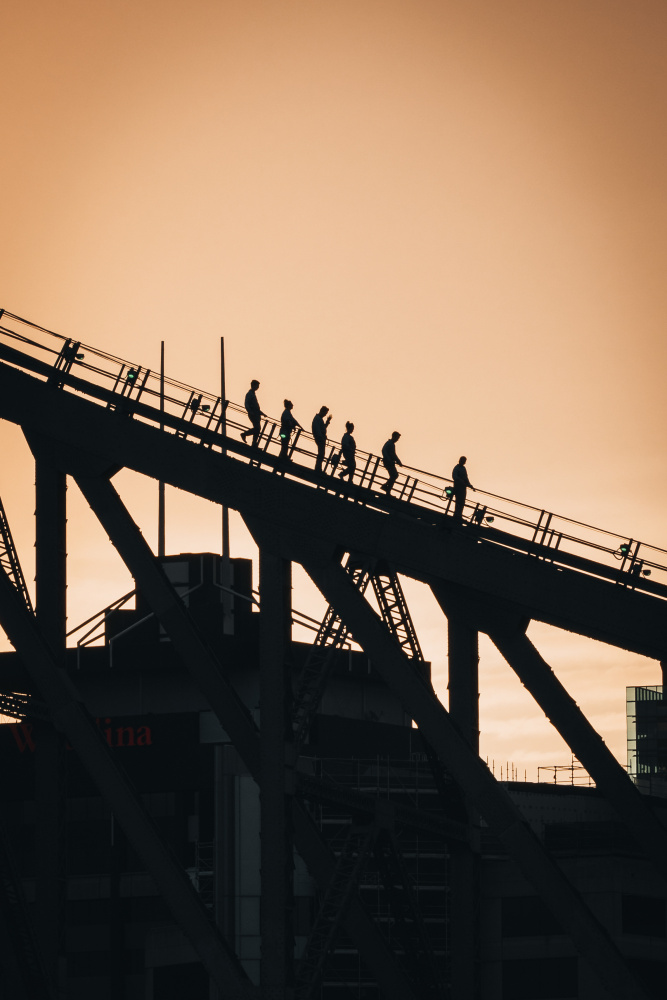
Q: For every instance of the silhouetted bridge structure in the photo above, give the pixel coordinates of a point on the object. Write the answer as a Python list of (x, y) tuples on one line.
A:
[(88, 414)]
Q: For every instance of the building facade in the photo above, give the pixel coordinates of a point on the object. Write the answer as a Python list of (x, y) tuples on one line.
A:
[(374, 794)]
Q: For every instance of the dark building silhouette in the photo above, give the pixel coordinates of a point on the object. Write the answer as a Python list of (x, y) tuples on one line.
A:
[(120, 940)]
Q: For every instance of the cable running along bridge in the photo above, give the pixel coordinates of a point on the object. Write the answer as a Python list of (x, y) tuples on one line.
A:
[(87, 414)]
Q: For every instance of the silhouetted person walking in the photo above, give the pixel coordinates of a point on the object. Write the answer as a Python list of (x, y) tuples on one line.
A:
[(348, 447), (254, 413), (390, 460), (288, 423), (461, 484), (320, 434)]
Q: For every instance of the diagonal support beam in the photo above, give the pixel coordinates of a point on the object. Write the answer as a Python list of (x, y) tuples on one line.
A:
[(170, 611), (563, 712), (200, 661), (419, 700), (70, 718)]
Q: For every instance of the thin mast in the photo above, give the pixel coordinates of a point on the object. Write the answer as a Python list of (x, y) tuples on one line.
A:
[(160, 510)]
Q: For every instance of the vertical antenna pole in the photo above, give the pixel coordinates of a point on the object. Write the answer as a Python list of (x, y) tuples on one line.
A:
[(160, 515), (227, 600), (223, 428)]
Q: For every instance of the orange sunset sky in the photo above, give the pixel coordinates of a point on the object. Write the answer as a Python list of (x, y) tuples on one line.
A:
[(446, 218)]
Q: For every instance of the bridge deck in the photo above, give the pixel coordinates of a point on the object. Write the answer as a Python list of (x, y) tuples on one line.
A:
[(526, 562)]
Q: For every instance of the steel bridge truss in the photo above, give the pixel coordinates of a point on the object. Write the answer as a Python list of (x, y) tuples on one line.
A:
[(480, 588)]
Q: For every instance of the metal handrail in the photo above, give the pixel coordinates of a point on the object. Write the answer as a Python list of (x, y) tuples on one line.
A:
[(132, 389)]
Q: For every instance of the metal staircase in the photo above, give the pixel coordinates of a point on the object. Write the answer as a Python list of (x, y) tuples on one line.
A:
[(408, 927), (396, 616), (394, 610), (22, 706), (331, 637), (333, 908), (9, 560)]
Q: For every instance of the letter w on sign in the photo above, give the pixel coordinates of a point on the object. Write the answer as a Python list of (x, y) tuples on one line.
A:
[(22, 733)]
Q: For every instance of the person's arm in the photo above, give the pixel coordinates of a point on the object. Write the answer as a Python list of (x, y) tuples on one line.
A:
[(398, 461)]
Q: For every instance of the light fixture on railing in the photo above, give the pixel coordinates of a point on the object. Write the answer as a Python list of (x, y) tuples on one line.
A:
[(80, 357), (449, 492), (131, 376), (623, 551), (480, 516)]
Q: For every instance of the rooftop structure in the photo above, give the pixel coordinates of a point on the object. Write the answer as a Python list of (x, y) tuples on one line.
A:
[(647, 738)]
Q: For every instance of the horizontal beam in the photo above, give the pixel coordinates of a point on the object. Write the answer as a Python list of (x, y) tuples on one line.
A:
[(352, 801), (632, 619)]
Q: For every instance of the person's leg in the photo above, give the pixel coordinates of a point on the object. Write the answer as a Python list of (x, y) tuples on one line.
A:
[(256, 431), (383, 486), (321, 445), (459, 503)]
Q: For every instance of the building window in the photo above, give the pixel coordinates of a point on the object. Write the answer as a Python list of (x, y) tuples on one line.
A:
[(644, 915), (175, 982), (527, 916), (652, 975), (540, 979)]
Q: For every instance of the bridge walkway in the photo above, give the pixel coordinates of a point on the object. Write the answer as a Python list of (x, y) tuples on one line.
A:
[(555, 553)]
